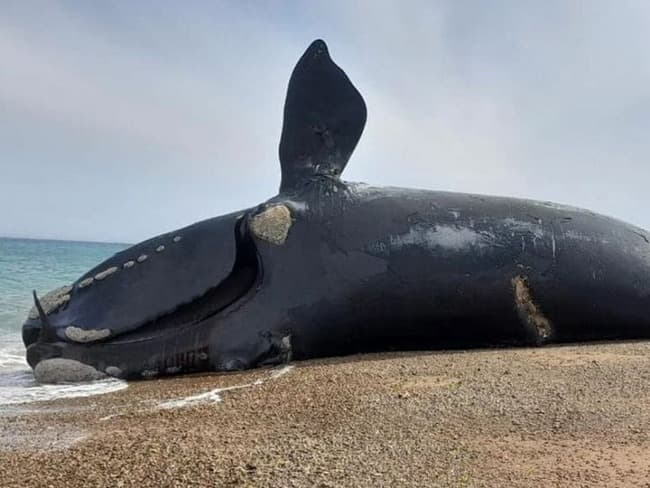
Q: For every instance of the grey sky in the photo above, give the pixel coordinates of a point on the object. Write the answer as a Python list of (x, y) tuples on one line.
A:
[(122, 120)]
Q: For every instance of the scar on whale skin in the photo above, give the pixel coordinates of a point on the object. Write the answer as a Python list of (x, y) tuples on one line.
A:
[(52, 301), (529, 311), (272, 224)]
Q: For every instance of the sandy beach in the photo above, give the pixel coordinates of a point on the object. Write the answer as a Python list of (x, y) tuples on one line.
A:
[(557, 416)]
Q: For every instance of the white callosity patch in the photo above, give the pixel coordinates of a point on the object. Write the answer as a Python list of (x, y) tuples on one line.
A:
[(52, 301), (447, 237), (128, 264), (214, 396), (160, 248), (106, 273), (60, 370), (77, 334), (272, 224), (177, 238), (87, 282), (142, 258)]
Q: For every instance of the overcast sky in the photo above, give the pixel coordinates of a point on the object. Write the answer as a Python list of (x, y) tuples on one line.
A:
[(122, 120)]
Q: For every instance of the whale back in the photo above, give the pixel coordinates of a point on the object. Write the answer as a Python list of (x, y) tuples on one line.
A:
[(324, 116)]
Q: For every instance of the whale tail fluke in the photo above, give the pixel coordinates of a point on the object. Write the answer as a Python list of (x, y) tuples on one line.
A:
[(324, 116)]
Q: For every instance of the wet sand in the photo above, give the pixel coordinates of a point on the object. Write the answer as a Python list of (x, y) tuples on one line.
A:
[(557, 416)]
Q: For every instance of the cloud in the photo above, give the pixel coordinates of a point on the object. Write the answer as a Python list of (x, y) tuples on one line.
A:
[(123, 120)]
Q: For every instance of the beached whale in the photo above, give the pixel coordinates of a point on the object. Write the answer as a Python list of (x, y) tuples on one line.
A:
[(329, 268)]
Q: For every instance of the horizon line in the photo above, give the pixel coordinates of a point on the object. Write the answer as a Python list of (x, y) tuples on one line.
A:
[(80, 241)]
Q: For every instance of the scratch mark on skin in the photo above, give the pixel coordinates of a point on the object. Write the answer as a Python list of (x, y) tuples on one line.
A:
[(529, 312), (52, 301), (553, 243), (522, 226), (570, 234), (106, 273), (453, 238), (560, 207), (78, 334), (272, 224)]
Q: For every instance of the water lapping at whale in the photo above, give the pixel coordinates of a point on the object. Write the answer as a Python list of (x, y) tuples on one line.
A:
[(27, 264)]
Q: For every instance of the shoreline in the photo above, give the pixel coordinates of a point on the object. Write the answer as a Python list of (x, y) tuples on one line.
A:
[(569, 415)]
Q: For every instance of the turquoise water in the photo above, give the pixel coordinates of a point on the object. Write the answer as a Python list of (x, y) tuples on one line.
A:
[(27, 265), (40, 265)]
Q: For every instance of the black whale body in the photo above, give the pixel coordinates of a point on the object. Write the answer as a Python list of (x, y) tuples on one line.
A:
[(330, 268)]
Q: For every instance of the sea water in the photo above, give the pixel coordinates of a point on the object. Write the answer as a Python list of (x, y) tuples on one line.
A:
[(41, 265)]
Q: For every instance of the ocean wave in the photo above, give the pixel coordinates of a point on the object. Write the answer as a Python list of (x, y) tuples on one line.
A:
[(19, 387)]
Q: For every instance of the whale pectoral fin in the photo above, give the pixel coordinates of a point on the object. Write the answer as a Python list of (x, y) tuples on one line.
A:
[(324, 116), (264, 349)]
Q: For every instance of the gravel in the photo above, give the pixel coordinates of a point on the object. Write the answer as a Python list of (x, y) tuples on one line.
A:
[(558, 416)]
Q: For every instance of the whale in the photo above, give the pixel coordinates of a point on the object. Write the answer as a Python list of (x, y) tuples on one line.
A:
[(331, 268)]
